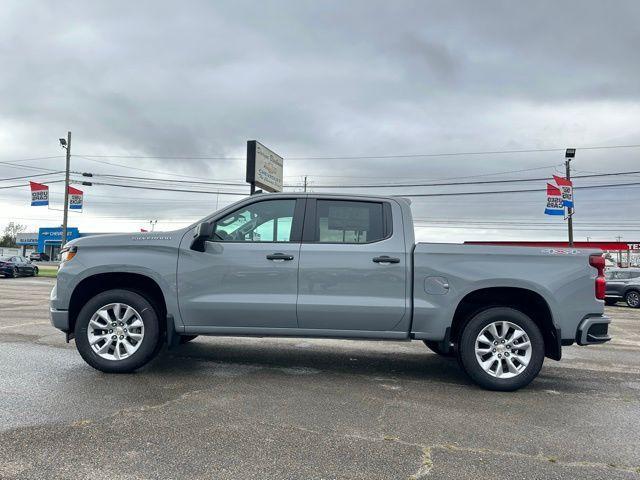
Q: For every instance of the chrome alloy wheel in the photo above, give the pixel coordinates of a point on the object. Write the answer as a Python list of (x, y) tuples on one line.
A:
[(115, 331), (503, 349)]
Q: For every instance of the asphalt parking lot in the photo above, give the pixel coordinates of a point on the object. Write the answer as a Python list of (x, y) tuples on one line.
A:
[(232, 408)]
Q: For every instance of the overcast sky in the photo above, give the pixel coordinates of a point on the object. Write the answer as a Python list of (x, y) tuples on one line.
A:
[(324, 79)]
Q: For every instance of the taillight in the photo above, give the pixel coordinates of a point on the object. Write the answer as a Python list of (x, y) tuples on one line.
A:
[(597, 261)]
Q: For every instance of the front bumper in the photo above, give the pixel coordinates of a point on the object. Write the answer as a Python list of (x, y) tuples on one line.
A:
[(593, 330), (59, 319)]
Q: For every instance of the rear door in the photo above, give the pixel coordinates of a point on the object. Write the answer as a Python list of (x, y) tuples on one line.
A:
[(247, 277), (616, 283), (353, 261)]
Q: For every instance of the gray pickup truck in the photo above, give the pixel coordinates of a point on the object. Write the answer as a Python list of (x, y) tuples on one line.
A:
[(328, 266)]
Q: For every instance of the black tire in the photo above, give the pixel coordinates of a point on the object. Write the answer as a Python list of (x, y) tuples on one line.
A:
[(150, 342), (35, 272), (610, 301), (435, 347), (467, 356), (187, 338), (15, 273), (632, 297)]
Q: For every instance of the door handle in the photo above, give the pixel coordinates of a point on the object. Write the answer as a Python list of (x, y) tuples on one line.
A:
[(279, 256), (386, 259)]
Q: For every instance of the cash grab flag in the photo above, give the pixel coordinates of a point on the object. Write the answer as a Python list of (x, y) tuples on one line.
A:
[(39, 194), (554, 201), (75, 198), (566, 187)]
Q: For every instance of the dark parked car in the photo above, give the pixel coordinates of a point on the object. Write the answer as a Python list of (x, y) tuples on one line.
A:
[(39, 257), (17, 266), (623, 284)]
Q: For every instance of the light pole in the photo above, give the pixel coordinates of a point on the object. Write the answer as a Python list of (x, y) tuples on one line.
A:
[(569, 155), (66, 144)]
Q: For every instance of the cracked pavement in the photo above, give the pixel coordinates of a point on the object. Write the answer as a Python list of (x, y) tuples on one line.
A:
[(295, 408)]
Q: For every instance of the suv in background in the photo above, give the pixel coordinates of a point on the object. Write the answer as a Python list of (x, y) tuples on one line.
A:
[(39, 257), (623, 284)]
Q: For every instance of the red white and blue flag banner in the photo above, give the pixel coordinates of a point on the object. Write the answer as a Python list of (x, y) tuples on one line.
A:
[(555, 205), (75, 199), (39, 194), (566, 187)]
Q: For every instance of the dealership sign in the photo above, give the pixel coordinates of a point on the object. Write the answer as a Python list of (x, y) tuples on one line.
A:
[(39, 194), (555, 204), (566, 187), (264, 167), (75, 198)]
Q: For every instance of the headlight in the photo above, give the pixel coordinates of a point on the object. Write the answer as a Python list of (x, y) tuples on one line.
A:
[(67, 254)]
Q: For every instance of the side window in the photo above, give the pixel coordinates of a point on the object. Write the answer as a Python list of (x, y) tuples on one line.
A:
[(268, 221), (349, 222)]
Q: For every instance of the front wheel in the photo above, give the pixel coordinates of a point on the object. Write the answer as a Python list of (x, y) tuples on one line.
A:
[(15, 272), (632, 298), (501, 349), (35, 272), (610, 302), (117, 331)]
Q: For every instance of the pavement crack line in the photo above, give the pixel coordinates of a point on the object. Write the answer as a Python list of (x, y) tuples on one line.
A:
[(426, 451)]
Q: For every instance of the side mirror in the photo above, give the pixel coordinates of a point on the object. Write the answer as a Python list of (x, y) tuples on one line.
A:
[(204, 231)]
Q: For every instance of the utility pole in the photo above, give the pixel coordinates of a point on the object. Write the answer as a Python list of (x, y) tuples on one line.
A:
[(66, 144), (305, 183), (619, 238), (153, 224), (569, 154)]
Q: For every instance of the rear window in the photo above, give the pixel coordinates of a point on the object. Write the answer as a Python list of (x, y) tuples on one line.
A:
[(349, 222)]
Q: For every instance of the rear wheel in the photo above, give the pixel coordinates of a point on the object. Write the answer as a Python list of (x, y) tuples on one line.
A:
[(117, 331), (436, 347), (501, 349), (15, 272), (632, 297), (35, 272)]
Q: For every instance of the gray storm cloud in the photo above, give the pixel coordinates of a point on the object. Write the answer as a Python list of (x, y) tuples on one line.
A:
[(324, 79)]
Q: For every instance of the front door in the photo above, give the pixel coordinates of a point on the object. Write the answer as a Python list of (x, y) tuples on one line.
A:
[(353, 267), (247, 277)]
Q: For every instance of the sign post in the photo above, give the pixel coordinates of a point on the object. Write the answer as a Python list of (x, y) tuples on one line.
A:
[(264, 168)]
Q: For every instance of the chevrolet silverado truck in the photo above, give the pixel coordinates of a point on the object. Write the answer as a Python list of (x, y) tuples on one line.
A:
[(327, 266)]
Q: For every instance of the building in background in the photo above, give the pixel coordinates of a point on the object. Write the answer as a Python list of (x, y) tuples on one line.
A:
[(48, 240)]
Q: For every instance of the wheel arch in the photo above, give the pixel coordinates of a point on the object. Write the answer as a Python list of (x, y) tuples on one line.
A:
[(92, 285), (527, 301)]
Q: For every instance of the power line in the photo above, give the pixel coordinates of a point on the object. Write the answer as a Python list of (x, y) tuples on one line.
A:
[(370, 157), (26, 184), (31, 159), (134, 168), (497, 192), (31, 176), (479, 182), (144, 187), (197, 182)]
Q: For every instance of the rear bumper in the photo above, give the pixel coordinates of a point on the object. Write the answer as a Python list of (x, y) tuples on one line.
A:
[(59, 319), (593, 330)]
